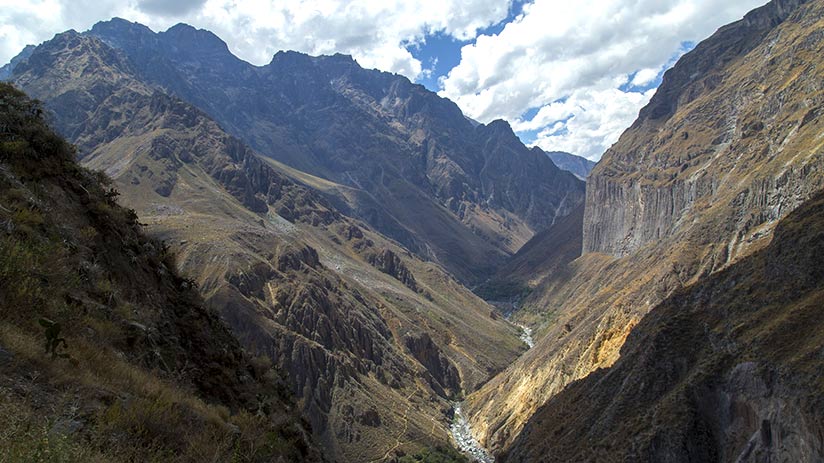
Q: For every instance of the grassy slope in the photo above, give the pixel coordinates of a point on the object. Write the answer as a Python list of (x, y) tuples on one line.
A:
[(149, 374), (339, 326), (748, 337)]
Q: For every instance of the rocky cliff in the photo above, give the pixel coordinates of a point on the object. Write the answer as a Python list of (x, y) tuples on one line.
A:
[(729, 145), (353, 319), (725, 370), (398, 157), (719, 126)]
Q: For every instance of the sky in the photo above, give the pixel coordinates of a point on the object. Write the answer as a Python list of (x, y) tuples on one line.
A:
[(567, 75)]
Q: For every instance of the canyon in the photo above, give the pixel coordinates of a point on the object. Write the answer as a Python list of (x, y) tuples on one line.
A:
[(407, 279)]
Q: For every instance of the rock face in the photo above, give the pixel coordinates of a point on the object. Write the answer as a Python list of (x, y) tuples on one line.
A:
[(725, 108), (729, 145), (389, 152), (288, 271), (389, 263), (5, 71), (724, 370)]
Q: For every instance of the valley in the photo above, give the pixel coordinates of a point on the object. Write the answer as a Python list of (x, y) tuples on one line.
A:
[(312, 260)]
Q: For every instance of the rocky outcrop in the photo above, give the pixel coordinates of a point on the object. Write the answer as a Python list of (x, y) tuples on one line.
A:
[(724, 370), (389, 263), (713, 127), (443, 372), (697, 184)]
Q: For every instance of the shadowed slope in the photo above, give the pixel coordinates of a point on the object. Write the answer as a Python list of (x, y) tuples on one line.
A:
[(138, 368), (327, 298), (679, 197), (728, 369)]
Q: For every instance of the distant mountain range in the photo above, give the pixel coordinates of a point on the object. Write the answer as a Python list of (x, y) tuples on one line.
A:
[(389, 152), (579, 166), (289, 258), (335, 218)]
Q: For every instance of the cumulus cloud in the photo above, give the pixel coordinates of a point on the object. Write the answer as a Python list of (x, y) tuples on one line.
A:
[(376, 32), (567, 75), (580, 53), (169, 8)]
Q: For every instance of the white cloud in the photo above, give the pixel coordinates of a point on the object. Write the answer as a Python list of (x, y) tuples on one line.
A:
[(579, 53), (596, 118), (375, 32), (562, 58)]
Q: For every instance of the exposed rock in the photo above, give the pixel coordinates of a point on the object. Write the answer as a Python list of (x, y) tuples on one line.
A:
[(294, 259), (665, 210), (430, 356), (370, 418), (725, 370), (389, 263), (629, 206)]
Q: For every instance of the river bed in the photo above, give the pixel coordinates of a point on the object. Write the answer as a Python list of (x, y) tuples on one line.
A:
[(465, 441)]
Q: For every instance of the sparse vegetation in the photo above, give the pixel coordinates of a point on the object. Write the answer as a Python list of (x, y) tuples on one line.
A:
[(54, 341), (153, 375), (438, 454)]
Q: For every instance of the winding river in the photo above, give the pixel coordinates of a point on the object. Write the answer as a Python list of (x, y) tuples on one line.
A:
[(462, 433), (465, 441)]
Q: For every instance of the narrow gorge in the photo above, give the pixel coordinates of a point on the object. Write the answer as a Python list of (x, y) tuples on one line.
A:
[(311, 259)]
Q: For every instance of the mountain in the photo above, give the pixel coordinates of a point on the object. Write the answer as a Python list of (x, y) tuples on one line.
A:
[(136, 367), (388, 152), (374, 341), (728, 146), (542, 257), (727, 369), (579, 166), (6, 70)]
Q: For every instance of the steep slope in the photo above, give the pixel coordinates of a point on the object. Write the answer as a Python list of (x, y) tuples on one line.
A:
[(409, 163), (728, 369), (685, 192), (579, 166), (374, 340), (6, 70), (135, 367), (542, 257), (734, 121)]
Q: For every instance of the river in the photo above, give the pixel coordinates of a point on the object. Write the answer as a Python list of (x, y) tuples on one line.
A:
[(465, 441), (460, 429)]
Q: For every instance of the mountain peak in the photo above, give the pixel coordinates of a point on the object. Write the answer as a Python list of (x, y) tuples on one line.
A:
[(500, 128), (291, 58), (121, 27), (8, 69), (194, 40)]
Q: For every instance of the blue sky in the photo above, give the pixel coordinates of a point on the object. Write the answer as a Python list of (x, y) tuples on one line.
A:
[(568, 76), (440, 52)]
